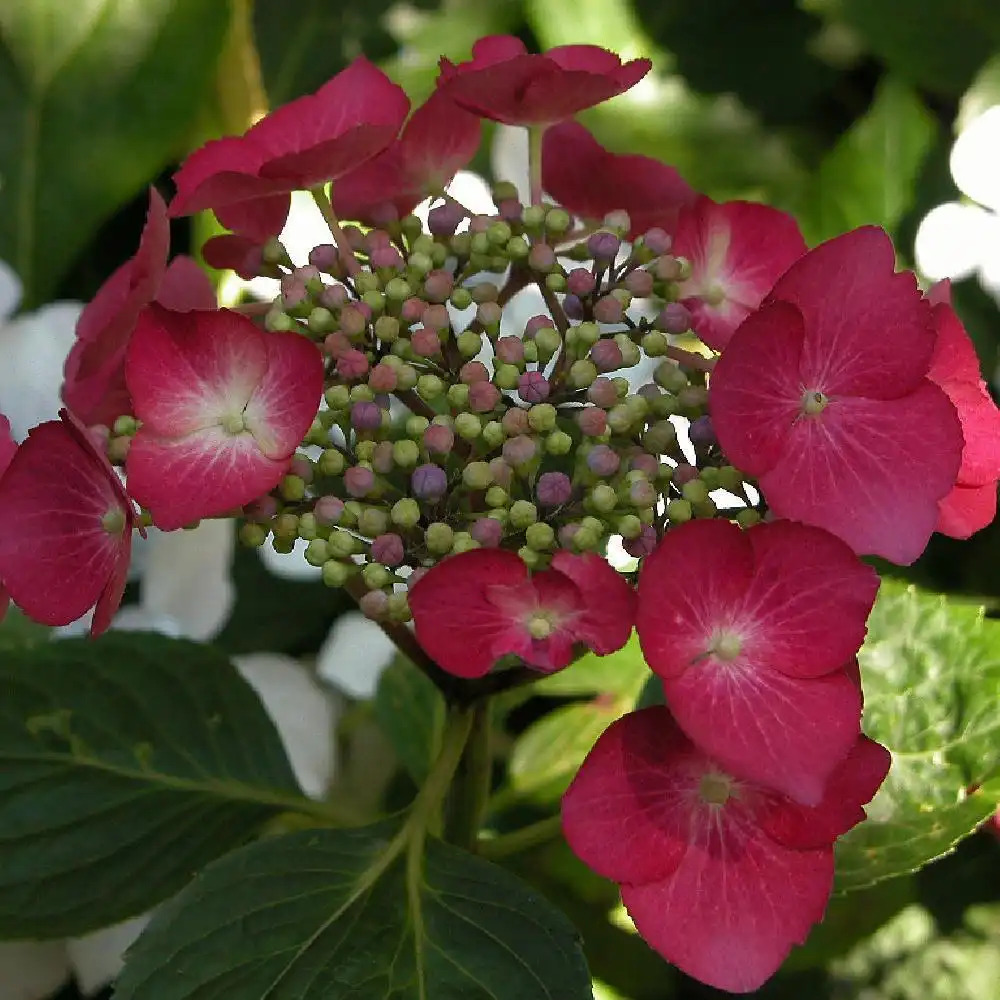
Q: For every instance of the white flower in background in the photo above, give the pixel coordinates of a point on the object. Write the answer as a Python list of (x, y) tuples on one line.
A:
[(33, 349), (960, 239), (354, 655)]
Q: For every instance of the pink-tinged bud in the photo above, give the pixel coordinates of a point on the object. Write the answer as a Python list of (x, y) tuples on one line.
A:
[(647, 464), (489, 314), (603, 247), (328, 510), (702, 433), (510, 350), (502, 473), (602, 461), (366, 416), (533, 387), (683, 473), (608, 309), (483, 397), (641, 546), (261, 510), (488, 531), (602, 392), (535, 324), (374, 604), (324, 257), (435, 317), (383, 378), (566, 535), (607, 355), (412, 309), (293, 291), (473, 371), (542, 258), (520, 449), (642, 493), (334, 297), (674, 318), (306, 273), (439, 439), (428, 482), (573, 307), (418, 573), (592, 420), (388, 550), (336, 344), (553, 489), (382, 458), (444, 219), (376, 238), (515, 422), (480, 223), (352, 364), (425, 343), (667, 268), (359, 481), (639, 283), (580, 281), (438, 286), (658, 240), (649, 391), (387, 258), (353, 320), (301, 466), (510, 210)]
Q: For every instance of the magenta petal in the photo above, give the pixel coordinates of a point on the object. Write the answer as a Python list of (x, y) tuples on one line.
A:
[(735, 906), (966, 510), (870, 470), (185, 286), (8, 446), (258, 218), (609, 601)]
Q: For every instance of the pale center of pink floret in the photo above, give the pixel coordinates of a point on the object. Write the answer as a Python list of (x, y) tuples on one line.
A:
[(715, 788), (113, 521), (813, 402), (726, 645), (233, 423)]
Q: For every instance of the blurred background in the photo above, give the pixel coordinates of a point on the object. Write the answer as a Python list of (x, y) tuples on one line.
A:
[(842, 112)]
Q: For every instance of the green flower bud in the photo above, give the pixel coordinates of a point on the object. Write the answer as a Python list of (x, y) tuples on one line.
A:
[(286, 526), (659, 437), (497, 496), (542, 417), (665, 405), (342, 545), (361, 394), (499, 233), (412, 227), (283, 546), (292, 488), (419, 264), (463, 542), (373, 522), (547, 342), (398, 290), (469, 343), (493, 434), (669, 376), (278, 322), (317, 552), (366, 282), (706, 508), (530, 352), (308, 528), (477, 475), (620, 418), (506, 376), (376, 576), (125, 425), (603, 498), (338, 397), (655, 344), (398, 608), (695, 490), (415, 426), (405, 513), (533, 217), (588, 334), (387, 328), (558, 443), (730, 478), (747, 517), (557, 221), (629, 526), (375, 301), (555, 282), (429, 387), (350, 514), (522, 513), (679, 511), (253, 535), (468, 426), (630, 352), (458, 396), (710, 477), (460, 298), (540, 536), (531, 558), (336, 574), (582, 374), (517, 248), (439, 538), (405, 453), (365, 452), (331, 463)]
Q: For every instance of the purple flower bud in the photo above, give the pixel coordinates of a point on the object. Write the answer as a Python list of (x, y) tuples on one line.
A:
[(411, 310), (649, 391), (642, 493), (553, 489), (607, 355), (603, 392), (649, 464), (643, 545), (592, 420), (515, 422), (573, 307), (533, 387), (293, 291), (324, 257), (520, 449), (306, 273), (328, 510), (438, 285), (374, 604), (439, 439), (428, 482), (674, 318), (382, 378), (702, 432), (366, 416), (535, 324), (683, 473), (388, 549), (580, 281), (488, 531), (387, 257), (510, 210), (502, 473), (333, 297), (541, 257), (359, 481), (301, 466), (376, 238), (608, 309), (444, 219), (483, 397), (639, 283), (425, 343), (657, 240), (473, 371), (602, 461), (352, 364), (603, 246), (566, 535), (510, 350)]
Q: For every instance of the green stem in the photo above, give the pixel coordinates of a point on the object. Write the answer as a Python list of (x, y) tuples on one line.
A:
[(339, 237), (521, 840), (470, 791), (535, 133)]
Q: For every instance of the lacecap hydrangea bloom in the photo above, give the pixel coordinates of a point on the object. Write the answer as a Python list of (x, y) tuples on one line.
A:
[(462, 479)]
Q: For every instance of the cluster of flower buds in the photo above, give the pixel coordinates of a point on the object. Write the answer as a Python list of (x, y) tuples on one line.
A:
[(749, 416)]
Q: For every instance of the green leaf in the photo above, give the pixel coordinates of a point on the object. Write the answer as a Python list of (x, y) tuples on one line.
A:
[(410, 711), (550, 751), (95, 99), (870, 175), (983, 94), (126, 764), (331, 914), (931, 671)]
